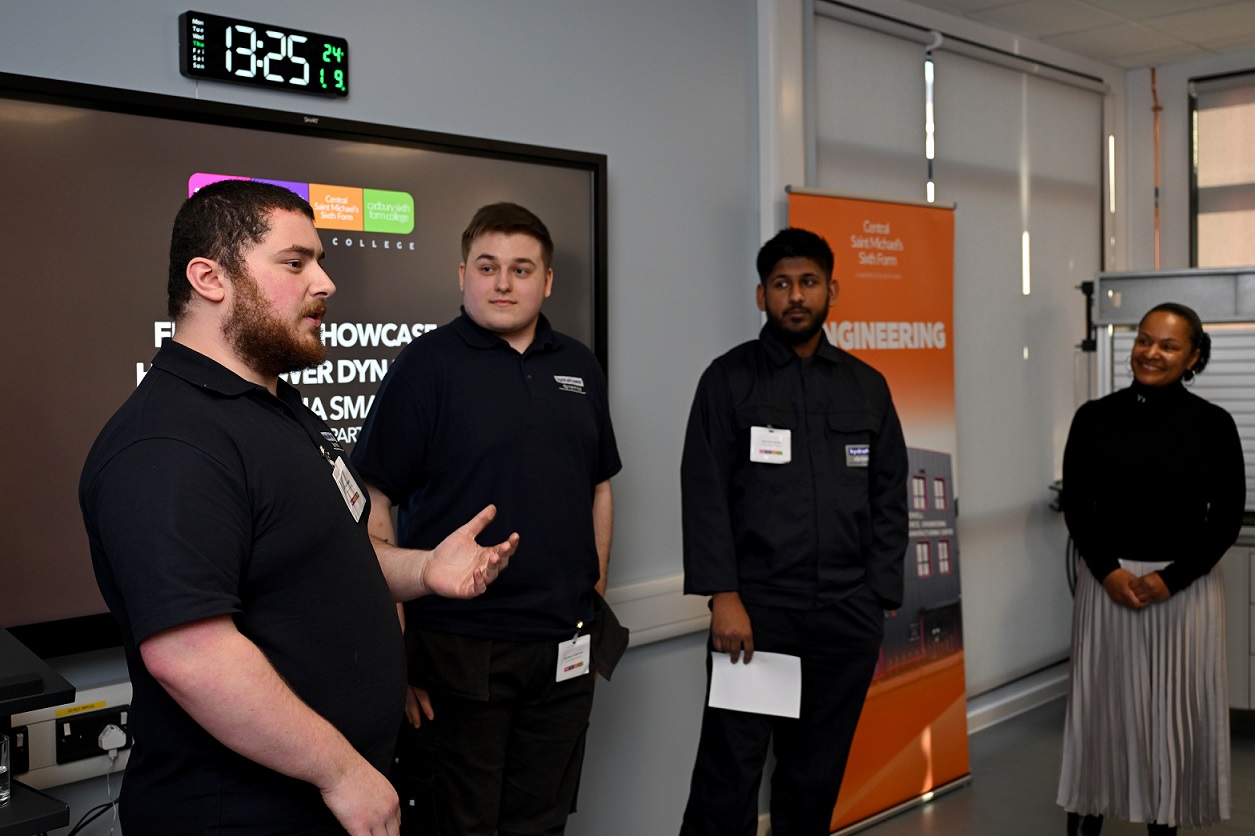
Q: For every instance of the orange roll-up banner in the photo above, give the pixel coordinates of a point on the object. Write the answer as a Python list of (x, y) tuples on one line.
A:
[(895, 310)]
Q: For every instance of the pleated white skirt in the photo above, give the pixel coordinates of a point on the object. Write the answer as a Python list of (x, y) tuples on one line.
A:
[(1147, 732)]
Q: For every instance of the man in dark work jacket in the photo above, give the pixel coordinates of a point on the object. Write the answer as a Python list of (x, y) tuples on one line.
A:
[(795, 522)]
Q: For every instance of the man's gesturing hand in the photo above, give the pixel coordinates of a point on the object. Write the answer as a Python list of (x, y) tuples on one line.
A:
[(461, 568)]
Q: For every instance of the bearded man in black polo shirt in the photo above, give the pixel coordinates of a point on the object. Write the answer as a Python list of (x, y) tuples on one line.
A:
[(228, 536), (497, 406)]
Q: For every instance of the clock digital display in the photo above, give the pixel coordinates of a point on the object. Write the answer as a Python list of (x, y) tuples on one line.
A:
[(247, 52)]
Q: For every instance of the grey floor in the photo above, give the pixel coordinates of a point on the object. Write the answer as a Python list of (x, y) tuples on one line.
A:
[(1015, 770)]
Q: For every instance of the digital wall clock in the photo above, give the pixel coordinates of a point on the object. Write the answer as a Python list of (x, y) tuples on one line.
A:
[(247, 52)]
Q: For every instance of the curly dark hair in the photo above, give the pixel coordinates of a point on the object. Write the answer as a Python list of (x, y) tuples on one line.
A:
[(219, 222)]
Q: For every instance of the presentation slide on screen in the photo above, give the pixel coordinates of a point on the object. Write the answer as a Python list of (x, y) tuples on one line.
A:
[(86, 234)]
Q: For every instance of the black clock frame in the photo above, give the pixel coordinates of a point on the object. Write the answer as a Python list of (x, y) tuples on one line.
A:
[(207, 50)]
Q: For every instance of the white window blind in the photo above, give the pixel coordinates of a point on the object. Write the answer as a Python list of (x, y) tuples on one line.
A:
[(869, 112), (1224, 171), (1015, 153)]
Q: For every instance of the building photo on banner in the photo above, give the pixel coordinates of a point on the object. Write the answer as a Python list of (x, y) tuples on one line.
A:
[(894, 262)]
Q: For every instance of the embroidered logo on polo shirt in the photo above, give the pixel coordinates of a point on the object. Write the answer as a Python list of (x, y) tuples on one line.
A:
[(566, 383)]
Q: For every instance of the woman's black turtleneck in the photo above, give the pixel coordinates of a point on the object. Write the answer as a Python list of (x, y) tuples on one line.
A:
[(1154, 473)]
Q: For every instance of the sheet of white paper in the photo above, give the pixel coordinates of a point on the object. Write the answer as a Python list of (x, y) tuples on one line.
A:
[(770, 684)]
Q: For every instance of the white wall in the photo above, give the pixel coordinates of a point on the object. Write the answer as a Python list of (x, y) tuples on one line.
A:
[(665, 90)]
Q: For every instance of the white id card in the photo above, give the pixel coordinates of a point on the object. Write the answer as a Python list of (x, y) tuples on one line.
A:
[(574, 658), (770, 445), (353, 496)]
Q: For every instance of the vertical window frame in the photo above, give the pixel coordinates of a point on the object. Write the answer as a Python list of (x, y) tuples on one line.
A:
[(923, 559)]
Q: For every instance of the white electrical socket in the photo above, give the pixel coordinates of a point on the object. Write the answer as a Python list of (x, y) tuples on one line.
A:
[(41, 726)]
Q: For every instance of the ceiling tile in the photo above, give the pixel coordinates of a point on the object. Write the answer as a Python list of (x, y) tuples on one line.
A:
[(1126, 33), (1206, 24), (1235, 42), (1143, 9), (1115, 41), (1158, 58), (1038, 18)]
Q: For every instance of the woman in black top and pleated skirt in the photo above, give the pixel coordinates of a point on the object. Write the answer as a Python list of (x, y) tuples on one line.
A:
[(1154, 490)]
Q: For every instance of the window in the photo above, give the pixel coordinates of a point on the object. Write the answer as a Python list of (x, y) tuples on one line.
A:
[(919, 493), (939, 494), (923, 560), (943, 557), (1223, 172)]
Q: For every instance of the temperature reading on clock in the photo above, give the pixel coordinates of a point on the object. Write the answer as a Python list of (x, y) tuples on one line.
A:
[(332, 55), (336, 79), (260, 54)]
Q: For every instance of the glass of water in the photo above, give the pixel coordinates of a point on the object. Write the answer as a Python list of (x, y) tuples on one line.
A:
[(4, 769)]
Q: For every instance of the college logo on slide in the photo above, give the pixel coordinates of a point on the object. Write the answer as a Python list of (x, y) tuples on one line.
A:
[(566, 383)]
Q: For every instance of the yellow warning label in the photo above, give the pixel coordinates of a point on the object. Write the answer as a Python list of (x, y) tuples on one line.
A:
[(81, 709)]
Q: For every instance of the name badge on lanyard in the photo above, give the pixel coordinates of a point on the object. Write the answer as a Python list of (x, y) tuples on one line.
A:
[(770, 445), (574, 657), (353, 496)]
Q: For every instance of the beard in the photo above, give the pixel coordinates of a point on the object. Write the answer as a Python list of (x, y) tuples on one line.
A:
[(797, 335), (265, 343)]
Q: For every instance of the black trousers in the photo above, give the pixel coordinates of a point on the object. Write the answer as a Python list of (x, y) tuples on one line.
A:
[(839, 646), (506, 745)]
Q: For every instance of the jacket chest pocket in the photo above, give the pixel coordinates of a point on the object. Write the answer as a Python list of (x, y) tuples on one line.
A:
[(850, 435)]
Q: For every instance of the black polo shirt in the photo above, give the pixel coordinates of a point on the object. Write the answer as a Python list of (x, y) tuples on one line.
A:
[(205, 495), (463, 420), (812, 531)]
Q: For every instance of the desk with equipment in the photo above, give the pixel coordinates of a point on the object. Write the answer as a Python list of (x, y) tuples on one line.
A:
[(27, 683)]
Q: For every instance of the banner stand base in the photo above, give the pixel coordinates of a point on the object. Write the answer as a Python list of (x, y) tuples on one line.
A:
[(909, 804)]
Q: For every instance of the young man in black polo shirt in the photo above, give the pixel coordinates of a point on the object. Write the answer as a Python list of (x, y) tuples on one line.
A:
[(497, 406), (229, 539)]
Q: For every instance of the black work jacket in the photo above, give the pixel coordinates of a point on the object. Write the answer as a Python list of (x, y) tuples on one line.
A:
[(810, 532)]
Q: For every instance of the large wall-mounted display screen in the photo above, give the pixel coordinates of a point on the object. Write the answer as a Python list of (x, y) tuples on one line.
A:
[(92, 180)]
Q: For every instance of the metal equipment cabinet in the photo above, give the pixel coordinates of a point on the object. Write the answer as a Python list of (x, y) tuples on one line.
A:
[(1239, 578)]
